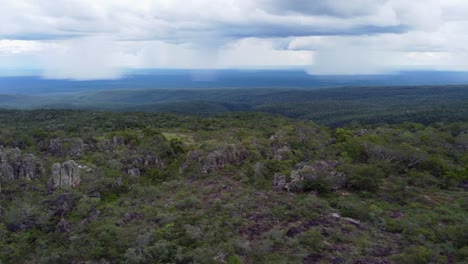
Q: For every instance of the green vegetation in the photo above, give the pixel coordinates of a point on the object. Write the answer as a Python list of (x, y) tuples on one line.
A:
[(166, 188), (335, 107)]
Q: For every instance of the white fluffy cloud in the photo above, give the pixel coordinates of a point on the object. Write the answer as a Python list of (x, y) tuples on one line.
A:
[(87, 39)]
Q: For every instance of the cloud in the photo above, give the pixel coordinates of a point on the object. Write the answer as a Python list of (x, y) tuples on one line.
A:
[(349, 8), (11, 47), (81, 59), (87, 39)]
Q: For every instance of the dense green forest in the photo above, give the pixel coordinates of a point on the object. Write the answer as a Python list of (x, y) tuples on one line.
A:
[(333, 107), (105, 187)]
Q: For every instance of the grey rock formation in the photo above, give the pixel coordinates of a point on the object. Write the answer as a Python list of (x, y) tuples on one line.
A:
[(118, 141), (15, 166), (229, 154), (73, 147), (133, 166), (63, 227), (93, 215), (279, 180), (217, 159), (324, 171), (66, 174), (192, 156), (133, 172)]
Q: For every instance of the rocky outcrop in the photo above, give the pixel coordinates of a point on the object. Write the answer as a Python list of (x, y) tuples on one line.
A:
[(118, 141), (279, 180), (109, 145), (15, 166), (92, 216), (194, 156), (324, 171), (281, 153), (134, 172), (68, 147), (66, 174), (133, 166), (63, 226), (217, 159)]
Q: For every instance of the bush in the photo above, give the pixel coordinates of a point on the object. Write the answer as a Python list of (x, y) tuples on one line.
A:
[(364, 177), (414, 255), (234, 260)]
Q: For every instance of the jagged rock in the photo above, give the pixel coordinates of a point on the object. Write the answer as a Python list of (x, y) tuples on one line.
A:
[(119, 181), (192, 156), (259, 170), (128, 217), (15, 166), (73, 147), (279, 181), (462, 147), (107, 145), (282, 153), (66, 174), (63, 226), (63, 204), (77, 148), (6, 171), (134, 165), (118, 141), (147, 160), (133, 172), (55, 147), (319, 170), (218, 159), (93, 215)]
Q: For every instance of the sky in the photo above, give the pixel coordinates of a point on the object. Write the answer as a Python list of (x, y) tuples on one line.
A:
[(101, 39)]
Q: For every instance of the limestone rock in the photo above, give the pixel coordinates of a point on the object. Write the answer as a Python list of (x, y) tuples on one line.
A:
[(319, 170), (15, 166), (133, 172), (133, 166), (63, 227), (118, 141), (66, 174), (279, 180), (229, 154), (73, 147), (192, 156)]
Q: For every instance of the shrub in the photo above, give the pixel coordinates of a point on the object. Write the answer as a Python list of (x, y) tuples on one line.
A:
[(414, 255), (364, 177)]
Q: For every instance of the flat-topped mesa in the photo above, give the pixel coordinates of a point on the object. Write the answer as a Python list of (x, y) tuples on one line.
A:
[(66, 174), (16, 166)]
